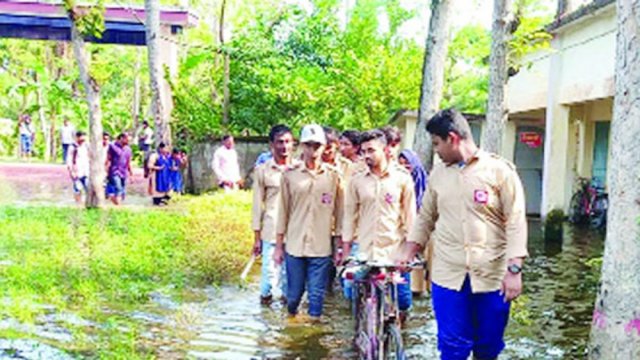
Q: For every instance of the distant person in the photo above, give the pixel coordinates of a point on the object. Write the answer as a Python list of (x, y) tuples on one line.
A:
[(145, 137), (27, 136), (119, 168), (78, 165), (225, 165), (67, 134), (178, 163), (160, 175)]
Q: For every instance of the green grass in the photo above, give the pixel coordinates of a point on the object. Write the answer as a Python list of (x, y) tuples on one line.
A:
[(85, 261)]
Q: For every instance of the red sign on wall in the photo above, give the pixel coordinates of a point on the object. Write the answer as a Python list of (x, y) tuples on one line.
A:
[(532, 139)]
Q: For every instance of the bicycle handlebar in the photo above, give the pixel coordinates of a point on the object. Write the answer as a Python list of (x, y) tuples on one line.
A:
[(378, 264)]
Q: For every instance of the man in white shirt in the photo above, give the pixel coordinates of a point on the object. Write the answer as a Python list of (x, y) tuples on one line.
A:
[(67, 133), (78, 165), (225, 165), (27, 136), (145, 137)]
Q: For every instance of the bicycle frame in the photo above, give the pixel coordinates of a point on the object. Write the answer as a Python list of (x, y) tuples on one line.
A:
[(376, 292)]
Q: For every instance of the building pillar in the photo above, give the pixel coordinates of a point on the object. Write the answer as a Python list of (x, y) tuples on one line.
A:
[(509, 140), (169, 61), (556, 140), (556, 149)]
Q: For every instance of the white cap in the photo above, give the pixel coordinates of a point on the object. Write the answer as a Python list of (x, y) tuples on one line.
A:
[(313, 133)]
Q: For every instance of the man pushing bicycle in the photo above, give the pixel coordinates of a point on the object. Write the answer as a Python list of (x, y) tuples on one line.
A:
[(380, 208)]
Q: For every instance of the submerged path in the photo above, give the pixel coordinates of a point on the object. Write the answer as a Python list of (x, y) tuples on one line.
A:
[(33, 183)]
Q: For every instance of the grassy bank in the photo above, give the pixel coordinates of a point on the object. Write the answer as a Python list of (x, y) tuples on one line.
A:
[(85, 261)]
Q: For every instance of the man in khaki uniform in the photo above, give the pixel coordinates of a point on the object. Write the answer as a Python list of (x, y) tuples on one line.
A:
[(350, 149), (474, 213), (310, 207), (380, 206), (266, 189)]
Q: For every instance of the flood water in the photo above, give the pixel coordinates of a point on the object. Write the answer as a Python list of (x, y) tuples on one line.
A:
[(553, 321)]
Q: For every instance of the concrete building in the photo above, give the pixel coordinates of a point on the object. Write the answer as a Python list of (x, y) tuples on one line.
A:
[(560, 107)]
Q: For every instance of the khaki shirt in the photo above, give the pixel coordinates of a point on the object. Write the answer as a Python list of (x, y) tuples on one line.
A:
[(266, 187), (381, 209), (475, 215), (311, 203)]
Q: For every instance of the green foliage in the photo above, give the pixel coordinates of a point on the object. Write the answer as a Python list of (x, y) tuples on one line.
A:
[(88, 19), (295, 67), (88, 261), (554, 217), (530, 36), (288, 64)]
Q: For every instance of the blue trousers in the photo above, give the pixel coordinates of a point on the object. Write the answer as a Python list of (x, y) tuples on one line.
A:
[(65, 152), (310, 273), (469, 322)]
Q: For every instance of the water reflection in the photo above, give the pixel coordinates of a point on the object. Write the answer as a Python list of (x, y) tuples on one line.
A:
[(555, 323)]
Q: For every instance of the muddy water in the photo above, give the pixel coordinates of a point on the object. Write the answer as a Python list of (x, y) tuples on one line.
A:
[(228, 323), (22, 184)]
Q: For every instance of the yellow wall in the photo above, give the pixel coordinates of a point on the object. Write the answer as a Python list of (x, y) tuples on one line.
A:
[(573, 81)]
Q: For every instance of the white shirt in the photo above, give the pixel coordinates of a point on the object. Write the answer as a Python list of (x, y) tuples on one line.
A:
[(147, 134), (66, 134), (225, 164), (81, 154), (25, 129)]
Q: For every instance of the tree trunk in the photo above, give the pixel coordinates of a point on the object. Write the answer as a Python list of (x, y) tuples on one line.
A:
[(53, 137), (135, 106), (497, 113), (158, 107), (615, 330), (225, 82), (95, 193), (42, 116), (435, 55)]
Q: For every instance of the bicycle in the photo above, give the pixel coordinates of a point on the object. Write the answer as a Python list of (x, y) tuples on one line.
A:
[(375, 308), (589, 204)]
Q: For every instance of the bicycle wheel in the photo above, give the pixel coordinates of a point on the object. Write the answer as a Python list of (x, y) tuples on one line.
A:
[(360, 312), (576, 210), (598, 218), (393, 347)]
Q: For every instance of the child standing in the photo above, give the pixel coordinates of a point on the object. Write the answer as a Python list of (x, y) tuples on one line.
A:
[(177, 164)]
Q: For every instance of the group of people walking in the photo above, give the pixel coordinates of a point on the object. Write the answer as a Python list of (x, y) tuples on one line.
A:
[(163, 167), (356, 194)]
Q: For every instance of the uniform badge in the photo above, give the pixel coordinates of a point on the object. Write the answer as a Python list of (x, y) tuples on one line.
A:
[(388, 198), (481, 197), (326, 198)]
